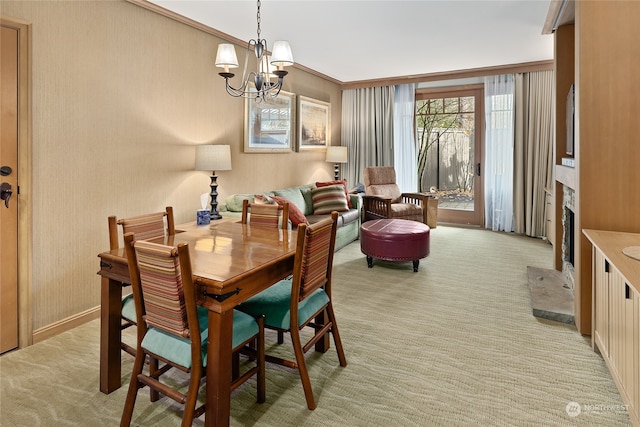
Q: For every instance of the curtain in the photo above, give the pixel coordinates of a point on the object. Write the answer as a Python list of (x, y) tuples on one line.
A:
[(533, 162), (404, 143), (498, 165), (367, 129)]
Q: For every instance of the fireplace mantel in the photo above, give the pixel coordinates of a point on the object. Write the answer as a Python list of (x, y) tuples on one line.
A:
[(566, 175)]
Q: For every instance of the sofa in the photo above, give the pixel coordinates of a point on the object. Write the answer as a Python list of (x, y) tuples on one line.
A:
[(302, 198)]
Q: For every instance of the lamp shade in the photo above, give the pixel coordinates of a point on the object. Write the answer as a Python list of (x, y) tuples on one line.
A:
[(337, 154), (213, 157), (226, 56), (281, 55)]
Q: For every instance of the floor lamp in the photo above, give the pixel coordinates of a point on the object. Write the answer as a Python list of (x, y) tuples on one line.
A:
[(337, 155), (213, 158)]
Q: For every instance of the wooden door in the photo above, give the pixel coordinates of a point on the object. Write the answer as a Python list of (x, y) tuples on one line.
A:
[(9, 182), (450, 132)]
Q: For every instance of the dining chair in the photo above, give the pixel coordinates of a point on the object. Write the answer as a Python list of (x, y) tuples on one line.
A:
[(304, 300), (145, 226), (171, 328), (271, 215)]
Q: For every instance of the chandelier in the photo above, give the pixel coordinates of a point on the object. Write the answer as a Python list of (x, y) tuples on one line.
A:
[(266, 82)]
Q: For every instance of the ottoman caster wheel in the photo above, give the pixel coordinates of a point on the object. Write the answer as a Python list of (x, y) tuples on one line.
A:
[(370, 262), (415, 265)]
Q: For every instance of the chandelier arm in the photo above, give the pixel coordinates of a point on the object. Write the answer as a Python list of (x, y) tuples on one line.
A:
[(245, 76), (271, 92)]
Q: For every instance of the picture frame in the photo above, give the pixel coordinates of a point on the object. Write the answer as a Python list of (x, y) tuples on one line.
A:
[(269, 126), (314, 124)]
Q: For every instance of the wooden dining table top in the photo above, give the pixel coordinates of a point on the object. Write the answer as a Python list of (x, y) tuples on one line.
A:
[(230, 259)]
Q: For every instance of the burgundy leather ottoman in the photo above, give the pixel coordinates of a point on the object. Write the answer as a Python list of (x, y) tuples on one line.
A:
[(399, 240)]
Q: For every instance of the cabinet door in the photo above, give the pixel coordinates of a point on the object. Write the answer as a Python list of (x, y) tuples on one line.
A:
[(621, 332), (636, 346), (627, 369), (601, 302)]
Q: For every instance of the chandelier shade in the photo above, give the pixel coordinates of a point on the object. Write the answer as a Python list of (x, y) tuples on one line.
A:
[(226, 57), (281, 55)]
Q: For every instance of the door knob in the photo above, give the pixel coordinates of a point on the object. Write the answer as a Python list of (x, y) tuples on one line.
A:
[(5, 193)]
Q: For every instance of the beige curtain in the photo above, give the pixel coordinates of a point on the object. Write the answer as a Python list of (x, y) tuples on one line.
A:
[(533, 155), (367, 129)]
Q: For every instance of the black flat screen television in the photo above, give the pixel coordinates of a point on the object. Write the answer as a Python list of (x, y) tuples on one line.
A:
[(570, 117)]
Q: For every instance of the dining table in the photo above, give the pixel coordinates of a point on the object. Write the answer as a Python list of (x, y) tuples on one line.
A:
[(231, 262)]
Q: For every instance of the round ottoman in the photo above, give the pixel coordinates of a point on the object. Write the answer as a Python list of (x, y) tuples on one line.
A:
[(398, 240)]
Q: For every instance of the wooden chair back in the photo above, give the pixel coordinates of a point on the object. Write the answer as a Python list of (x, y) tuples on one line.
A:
[(147, 226), (314, 258), (163, 288), (265, 215)]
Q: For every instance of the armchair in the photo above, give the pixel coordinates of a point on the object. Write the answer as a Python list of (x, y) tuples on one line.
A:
[(383, 198)]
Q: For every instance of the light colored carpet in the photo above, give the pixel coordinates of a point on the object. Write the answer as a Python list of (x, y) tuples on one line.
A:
[(452, 345)]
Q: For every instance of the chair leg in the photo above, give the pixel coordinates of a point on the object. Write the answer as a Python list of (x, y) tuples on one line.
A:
[(280, 337), (336, 335), (302, 368), (235, 366), (192, 394), (154, 395), (132, 393), (261, 382)]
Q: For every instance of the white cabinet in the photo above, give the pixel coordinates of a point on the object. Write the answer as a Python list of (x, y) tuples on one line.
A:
[(616, 312), (600, 336)]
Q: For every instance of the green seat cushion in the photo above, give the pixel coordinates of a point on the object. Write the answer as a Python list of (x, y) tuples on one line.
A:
[(128, 308), (274, 303), (178, 350)]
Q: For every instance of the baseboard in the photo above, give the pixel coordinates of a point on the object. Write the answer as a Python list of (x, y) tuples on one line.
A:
[(66, 324)]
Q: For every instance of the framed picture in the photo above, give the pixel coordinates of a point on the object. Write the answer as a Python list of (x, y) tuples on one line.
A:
[(314, 129), (269, 126)]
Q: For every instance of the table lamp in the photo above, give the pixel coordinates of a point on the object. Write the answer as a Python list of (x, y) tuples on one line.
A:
[(337, 155), (213, 158)]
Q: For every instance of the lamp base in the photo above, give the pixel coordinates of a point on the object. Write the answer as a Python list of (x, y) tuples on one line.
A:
[(336, 171), (214, 198)]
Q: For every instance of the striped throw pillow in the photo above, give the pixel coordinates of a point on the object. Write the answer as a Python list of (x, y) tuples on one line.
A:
[(328, 199)]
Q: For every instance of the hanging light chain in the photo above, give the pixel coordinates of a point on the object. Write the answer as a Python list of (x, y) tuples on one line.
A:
[(258, 20)]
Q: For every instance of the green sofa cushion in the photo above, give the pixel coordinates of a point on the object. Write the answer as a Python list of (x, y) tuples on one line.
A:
[(233, 203), (274, 303), (178, 350), (308, 200), (294, 195)]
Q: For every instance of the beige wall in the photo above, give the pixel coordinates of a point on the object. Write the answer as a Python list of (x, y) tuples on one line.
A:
[(121, 96)]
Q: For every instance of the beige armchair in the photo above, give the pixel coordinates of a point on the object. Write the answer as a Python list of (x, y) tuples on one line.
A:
[(383, 198)]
